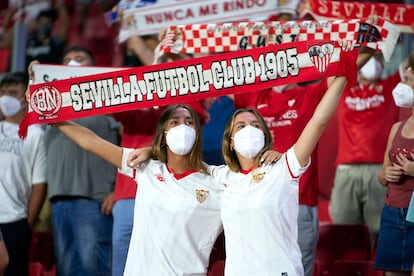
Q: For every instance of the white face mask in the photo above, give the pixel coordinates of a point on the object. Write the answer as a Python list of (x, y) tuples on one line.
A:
[(181, 139), (280, 88), (73, 63), (249, 141), (403, 95), (372, 70), (9, 105)]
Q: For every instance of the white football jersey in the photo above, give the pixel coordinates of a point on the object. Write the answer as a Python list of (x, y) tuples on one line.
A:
[(259, 215), (176, 221)]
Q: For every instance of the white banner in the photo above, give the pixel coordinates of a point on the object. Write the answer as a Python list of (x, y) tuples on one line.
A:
[(153, 18), (47, 73)]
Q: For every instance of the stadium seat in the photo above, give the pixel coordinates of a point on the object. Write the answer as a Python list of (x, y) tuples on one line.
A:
[(218, 253), (217, 269), (36, 269), (342, 242), (323, 212), (42, 249)]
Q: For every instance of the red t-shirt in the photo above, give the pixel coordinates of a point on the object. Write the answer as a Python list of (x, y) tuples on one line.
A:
[(399, 194), (365, 117), (286, 115)]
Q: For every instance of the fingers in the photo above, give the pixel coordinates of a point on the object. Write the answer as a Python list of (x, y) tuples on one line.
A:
[(133, 159), (30, 70), (106, 207), (373, 19), (393, 173), (270, 156), (346, 45), (392, 177)]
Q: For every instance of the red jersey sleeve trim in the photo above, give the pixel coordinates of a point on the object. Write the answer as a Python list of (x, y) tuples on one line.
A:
[(290, 170)]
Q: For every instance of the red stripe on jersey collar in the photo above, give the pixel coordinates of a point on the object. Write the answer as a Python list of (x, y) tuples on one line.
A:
[(179, 176), (246, 171)]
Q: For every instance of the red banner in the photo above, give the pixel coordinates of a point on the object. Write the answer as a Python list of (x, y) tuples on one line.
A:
[(399, 14), (186, 80)]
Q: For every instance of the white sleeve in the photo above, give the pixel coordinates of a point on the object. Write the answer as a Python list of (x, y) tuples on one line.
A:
[(292, 162), (125, 169)]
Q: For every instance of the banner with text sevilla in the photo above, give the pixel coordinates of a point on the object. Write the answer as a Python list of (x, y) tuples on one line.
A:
[(398, 14), (186, 80)]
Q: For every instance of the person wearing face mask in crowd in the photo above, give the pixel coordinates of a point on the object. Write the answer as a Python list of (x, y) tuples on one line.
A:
[(365, 116), (261, 204), (45, 44), (177, 215), (22, 174), (286, 109), (395, 248), (242, 171), (80, 191)]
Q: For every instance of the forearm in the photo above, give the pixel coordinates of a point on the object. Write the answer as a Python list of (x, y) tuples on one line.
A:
[(82, 136), (327, 106), (90, 141), (314, 128), (381, 177), (141, 50), (36, 201)]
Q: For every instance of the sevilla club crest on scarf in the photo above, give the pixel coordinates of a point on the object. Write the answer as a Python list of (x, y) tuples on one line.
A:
[(321, 55)]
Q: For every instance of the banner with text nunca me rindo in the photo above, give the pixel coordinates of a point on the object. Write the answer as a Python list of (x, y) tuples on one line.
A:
[(138, 18), (141, 17)]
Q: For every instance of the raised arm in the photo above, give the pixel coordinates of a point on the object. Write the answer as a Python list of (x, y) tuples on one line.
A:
[(317, 124), (90, 141)]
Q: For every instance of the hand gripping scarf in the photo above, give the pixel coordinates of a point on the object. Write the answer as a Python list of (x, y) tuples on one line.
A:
[(226, 37), (187, 80)]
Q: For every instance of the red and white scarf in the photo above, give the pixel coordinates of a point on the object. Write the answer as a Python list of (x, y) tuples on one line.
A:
[(186, 80), (226, 37)]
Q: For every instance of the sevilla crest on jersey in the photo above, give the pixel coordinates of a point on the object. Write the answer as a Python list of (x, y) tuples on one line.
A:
[(201, 195)]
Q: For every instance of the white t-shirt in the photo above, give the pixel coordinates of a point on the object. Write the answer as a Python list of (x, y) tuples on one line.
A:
[(22, 164), (176, 221), (259, 215)]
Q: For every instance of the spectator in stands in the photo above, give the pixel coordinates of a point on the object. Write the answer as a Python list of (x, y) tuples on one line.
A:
[(43, 45), (268, 194), (286, 109), (365, 116), (23, 174), (138, 131), (166, 240), (81, 192), (219, 113), (395, 247)]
